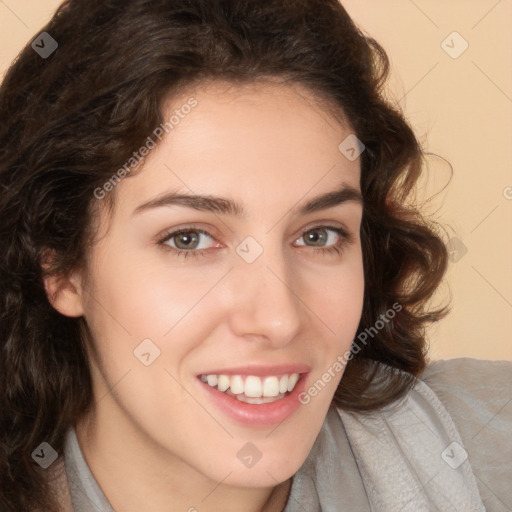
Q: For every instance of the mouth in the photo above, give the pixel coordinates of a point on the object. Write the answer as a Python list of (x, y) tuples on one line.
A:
[(265, 399), (253, 389)]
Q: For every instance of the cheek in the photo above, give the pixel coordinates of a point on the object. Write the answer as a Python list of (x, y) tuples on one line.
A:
[(340, 307), (132, 301), (338, 295), (146, 296)]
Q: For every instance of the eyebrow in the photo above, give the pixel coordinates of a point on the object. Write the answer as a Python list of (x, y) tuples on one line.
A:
[(223, 205)]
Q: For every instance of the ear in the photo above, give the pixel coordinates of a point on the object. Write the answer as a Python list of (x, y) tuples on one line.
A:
[(65, 293)]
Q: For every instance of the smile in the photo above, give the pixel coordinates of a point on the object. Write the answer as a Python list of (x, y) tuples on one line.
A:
[(251, 388)]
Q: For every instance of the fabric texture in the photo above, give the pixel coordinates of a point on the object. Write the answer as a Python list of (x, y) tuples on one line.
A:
[(478, 396), (446, 446), (86, 494)]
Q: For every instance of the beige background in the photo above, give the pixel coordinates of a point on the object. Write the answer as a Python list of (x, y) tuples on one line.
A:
[(461, 109)]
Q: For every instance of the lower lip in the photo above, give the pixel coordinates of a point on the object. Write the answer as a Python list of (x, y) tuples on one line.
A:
[(261, 415)]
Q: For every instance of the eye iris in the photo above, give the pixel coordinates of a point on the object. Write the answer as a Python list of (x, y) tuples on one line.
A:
[(189, 237), (319, 235)]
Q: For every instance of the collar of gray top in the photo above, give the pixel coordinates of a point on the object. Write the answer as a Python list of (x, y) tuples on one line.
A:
[(86, 494), (407, 456)]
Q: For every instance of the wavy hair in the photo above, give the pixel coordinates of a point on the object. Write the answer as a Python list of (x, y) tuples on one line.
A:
[(70, 120)]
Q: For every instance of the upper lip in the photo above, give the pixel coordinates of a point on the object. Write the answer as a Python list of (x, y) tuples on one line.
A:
[(260, 370)]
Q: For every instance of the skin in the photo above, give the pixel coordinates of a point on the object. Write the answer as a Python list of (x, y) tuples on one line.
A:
[(154, 438)]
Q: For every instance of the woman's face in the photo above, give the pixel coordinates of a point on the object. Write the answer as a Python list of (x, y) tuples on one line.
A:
[(265, 285)]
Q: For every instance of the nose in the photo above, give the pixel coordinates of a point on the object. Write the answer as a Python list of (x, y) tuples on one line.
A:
[(266, 307)]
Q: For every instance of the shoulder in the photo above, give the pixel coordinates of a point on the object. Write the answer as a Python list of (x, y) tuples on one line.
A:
[(477, 394), (476, 373)]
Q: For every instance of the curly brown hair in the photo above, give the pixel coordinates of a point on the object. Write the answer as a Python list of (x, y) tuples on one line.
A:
[(71, 119)]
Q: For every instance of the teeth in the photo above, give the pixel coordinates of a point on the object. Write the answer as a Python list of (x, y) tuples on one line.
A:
[(270, 386), (294, 377), (212, 380), (263, 400), (223, 384), (283, 384), (236, 384), (253, 387)]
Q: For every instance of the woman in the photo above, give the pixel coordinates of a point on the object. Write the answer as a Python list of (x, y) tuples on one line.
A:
[(214, 288)]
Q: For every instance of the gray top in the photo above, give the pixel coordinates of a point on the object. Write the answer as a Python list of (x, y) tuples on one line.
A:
[(408, 456), (85, 491)]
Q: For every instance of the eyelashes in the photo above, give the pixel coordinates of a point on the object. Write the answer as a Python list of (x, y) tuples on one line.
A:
[(193, 235)]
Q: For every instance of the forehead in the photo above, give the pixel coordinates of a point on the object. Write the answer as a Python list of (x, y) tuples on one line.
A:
[(264, 144)]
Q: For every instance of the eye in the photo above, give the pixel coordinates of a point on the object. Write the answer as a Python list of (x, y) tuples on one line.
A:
[(187, 242), (329, 239)]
